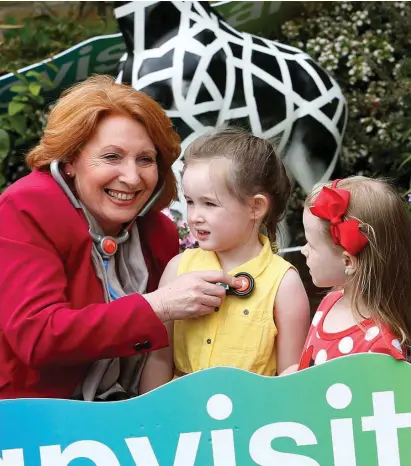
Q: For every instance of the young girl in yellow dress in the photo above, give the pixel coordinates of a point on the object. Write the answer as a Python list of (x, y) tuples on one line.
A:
[(236, 187)]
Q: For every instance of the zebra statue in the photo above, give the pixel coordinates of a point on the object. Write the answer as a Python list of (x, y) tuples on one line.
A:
[(205, 74)]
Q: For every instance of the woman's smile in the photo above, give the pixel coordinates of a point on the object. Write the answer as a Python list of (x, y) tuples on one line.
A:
[(122, 198), (116, 171)]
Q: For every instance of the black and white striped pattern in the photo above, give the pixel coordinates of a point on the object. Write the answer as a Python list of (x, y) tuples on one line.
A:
[(206, 73)]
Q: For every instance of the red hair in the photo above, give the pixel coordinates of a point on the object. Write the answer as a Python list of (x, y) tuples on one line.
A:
[(76, 114)]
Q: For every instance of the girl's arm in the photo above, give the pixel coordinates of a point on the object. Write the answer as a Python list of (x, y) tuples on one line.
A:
[(292, 319), (159, 367)]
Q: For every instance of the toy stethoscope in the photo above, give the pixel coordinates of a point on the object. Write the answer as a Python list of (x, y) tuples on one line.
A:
[(246, 288), (107, 245)]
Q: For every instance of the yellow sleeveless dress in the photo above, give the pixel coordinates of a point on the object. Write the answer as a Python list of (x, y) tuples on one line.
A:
[(242, 333)]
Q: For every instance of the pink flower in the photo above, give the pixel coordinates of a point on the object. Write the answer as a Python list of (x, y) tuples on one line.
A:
[(188, 242), (168, 213)]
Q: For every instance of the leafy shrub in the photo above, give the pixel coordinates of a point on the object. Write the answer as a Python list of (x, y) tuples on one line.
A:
[(39, 38), (45, 36), (22, 125), (367, 47)]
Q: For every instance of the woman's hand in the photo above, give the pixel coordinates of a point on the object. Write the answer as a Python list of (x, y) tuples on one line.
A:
[(190, 295)]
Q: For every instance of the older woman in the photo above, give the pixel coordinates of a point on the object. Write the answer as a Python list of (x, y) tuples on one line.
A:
[(83, 246)]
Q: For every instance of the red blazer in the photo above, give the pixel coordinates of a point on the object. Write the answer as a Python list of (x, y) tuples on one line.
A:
[(53, 319)]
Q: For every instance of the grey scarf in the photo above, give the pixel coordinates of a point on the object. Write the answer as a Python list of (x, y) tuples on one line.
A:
[(127, 273)]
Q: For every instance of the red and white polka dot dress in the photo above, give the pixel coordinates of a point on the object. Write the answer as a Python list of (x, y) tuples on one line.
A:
[(321, 346)]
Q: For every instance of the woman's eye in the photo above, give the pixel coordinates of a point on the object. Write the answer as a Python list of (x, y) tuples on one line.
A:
[(146, 161), (210, 204), (111, 157), (189, 202)]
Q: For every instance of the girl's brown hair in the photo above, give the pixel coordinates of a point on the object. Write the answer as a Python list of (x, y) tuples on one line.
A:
[(256, 169), (75, 116), (382, 281)]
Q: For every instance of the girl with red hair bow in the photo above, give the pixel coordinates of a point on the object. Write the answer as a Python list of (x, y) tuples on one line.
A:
[(358, 244)]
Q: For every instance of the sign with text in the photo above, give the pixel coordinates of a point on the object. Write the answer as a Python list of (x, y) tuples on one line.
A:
[(352, 411), (99, 55)]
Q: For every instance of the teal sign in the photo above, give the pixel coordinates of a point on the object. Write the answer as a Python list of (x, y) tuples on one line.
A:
[(97, 55), (352, 411)]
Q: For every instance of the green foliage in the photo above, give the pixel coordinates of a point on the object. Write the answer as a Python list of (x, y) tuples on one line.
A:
[(22, 125), (39, 38), (367, 47), (45, 36)]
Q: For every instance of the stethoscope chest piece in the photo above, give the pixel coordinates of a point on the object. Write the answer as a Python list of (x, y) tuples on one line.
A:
[(107, 245), (247, 284), (246, 288)]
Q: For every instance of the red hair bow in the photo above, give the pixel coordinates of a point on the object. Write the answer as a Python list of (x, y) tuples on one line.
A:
[(331, 204)]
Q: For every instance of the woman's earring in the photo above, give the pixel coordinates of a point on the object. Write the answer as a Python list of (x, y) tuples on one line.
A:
[(346, 272), (68, 173)]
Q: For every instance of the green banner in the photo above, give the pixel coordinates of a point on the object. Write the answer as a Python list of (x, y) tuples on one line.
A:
[(257, 17), (97, 55), (351, 411)]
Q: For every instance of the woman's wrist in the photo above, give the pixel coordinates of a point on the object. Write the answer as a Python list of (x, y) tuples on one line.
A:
[(158, 306)]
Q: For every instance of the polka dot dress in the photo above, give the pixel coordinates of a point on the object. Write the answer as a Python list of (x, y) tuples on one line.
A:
[(321, 346)]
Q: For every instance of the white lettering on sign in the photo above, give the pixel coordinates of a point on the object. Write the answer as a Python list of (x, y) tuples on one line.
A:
[(187, 449), (82, 71), (109, 57), (385, 422), (97, 452), (13, 457), (339, 396), (264, 455), (141, 451), (107, 61), (61, 73)]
